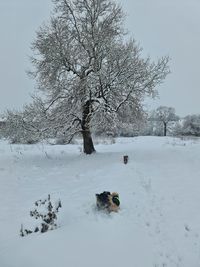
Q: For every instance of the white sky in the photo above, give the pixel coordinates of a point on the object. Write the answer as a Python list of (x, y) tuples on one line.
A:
[(162, 27)]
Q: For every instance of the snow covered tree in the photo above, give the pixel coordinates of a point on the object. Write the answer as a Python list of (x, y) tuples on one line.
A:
[(86, 69), (17, 130), (164, 115), (190, 126), (27, 126)]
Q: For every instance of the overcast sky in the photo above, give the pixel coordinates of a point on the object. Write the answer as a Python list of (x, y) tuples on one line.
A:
[(162, 27)]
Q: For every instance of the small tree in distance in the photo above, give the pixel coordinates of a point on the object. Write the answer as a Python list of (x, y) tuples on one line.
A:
[(164, 115), (86, 70)]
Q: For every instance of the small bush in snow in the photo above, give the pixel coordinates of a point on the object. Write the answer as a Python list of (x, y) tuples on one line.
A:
[(46, 213)]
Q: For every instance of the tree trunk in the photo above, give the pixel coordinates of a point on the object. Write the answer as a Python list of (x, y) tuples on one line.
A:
[(88, 146), (165, 129)]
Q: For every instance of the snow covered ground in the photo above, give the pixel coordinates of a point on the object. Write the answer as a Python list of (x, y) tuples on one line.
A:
[(159, 221)]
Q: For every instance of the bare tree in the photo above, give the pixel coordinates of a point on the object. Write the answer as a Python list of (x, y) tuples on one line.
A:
[(87, 71), (164, 115)]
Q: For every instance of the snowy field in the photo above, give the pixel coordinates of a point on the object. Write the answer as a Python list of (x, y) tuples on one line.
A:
[(159, 221)]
